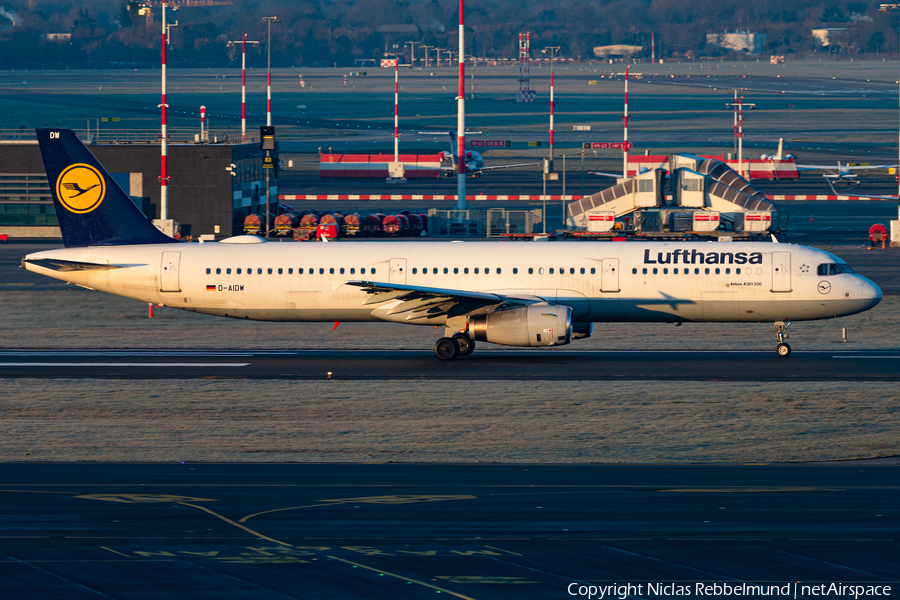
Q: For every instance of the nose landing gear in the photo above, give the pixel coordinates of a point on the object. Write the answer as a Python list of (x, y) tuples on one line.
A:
[(783, 350)]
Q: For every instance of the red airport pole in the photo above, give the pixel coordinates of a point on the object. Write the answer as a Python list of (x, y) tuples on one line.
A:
[(163, 177), (396, 111), (244, 88), (461, 117), (203, 135), (625, 119)]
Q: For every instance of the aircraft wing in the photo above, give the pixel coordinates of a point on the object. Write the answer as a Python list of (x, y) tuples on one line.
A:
[(841, 167), (836, 193), (613, 175), (505, 166), (427, 302)]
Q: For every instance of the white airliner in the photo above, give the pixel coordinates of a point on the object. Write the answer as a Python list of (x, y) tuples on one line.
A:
[(538, 294)]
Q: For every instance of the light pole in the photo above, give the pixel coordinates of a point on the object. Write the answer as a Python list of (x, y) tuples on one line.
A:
[(269, 20), (243, 43), (894, 238), (553, 50), (412, 53), (739, 106)]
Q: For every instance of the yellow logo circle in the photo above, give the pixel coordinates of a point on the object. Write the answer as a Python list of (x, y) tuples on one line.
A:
[(80, 188)]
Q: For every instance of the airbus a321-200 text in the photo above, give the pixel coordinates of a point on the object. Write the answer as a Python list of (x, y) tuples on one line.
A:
[(538, 295)]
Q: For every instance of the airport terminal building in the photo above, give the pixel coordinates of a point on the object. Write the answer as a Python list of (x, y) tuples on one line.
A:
[(205, 190)]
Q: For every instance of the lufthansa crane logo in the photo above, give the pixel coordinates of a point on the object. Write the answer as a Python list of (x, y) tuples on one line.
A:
[(80, 188)]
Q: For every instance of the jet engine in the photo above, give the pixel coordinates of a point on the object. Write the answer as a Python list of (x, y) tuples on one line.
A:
[(582, 331), (535, 325)]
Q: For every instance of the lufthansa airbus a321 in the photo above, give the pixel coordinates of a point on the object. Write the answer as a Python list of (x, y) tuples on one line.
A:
[(543, 295)]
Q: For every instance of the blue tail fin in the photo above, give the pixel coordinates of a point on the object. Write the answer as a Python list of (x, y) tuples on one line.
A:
[(91, 207)]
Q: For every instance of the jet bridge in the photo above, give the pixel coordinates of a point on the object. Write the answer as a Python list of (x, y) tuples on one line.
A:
[(696, 183)]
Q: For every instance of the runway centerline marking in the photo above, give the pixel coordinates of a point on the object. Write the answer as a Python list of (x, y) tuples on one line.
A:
[(866, 357), (117, 364), (402, 578)]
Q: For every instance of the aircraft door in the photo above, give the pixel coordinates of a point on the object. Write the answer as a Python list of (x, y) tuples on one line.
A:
[(397, 271), (609, 278), (781, 271), (168, 272)]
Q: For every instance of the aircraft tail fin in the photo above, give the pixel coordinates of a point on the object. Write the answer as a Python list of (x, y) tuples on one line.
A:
[(91, 207)]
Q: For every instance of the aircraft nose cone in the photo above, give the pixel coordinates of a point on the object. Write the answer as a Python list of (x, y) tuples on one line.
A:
[(871, 292)]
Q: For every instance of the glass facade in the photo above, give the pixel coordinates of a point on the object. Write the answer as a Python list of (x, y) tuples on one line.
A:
[(25, 200)]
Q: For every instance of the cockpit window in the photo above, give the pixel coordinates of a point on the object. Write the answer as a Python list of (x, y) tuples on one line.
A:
[(833, 269)]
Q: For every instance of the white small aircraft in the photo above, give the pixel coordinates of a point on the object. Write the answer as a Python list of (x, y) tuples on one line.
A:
[(844, 174), (474, 160)]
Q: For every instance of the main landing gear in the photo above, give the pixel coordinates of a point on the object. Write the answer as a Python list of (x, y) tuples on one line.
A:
[(448, 348), (783, 350)]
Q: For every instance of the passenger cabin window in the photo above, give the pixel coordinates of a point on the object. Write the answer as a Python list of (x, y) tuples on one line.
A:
[(218, 271), (655, 271), (342, 270), (280, 271), (238, 271), (633, 271), (259, 271), (228, 271), (551, 270), (352, 271), (515, 270), (270, 270), (530, 270), (456, 270), (498, 271), (582, 270), (208, 271), (593, 270), (362, 271)]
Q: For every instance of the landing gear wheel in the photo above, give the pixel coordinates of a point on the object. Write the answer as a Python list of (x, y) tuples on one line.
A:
[(783, 350), (446, 349), (465, 343)]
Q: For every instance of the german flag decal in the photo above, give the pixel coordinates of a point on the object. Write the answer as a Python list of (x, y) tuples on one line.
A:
[(210, 288)]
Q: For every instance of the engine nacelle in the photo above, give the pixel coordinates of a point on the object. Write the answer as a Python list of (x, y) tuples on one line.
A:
[(535, 325), (582, 331)]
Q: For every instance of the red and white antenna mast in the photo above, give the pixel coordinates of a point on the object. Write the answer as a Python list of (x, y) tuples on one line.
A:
[(396, 111), (163, 177), (526, 94), (461, 118), (625, 121), (652, 48), (203, 135), (244, 88)]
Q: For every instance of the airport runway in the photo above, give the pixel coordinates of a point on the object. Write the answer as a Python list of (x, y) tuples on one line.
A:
[(476, 532), (487, 363)]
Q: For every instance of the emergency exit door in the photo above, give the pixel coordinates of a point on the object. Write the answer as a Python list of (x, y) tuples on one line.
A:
[(168, 272), (609, 275), (781, 271)]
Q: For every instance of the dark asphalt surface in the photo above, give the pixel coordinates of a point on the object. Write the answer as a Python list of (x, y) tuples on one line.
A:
[(565, 364), (380, 531)]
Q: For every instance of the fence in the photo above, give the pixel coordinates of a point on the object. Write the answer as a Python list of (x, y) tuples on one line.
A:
[(487, 223)]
